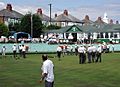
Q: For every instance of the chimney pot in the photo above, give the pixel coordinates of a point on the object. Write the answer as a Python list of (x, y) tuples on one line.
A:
[(9, 7), (117, 22), (66, 12), (99, 18), (87, 17), (111, 21), (55, 15), (39, 11)]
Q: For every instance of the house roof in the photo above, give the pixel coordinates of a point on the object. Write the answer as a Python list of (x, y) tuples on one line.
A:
[(99, 21), (10, 14), (44, 17), (86, 20), (65, 17), (74, 19), (62, 18)]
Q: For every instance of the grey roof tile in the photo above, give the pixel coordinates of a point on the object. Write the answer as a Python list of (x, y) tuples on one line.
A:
[(10, 14)]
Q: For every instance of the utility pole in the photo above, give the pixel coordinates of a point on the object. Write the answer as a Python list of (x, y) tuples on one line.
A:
[(50, 12), (31, 17)]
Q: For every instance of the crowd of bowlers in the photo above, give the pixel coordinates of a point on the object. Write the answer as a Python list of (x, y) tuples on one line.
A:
[(22, 51), (86, 53), (92, 53), (19, 51)]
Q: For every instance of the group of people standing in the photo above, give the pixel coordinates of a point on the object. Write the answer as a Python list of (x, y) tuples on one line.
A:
[(22, 51), (92, 53), (17, 49)]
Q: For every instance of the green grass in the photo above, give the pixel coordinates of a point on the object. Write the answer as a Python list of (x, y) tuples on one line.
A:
[(68, 73)]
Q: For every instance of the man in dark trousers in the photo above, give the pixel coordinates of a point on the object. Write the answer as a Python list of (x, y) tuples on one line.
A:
[(81, 51), (89, 53), (99, 53), (24, 51), (94, 49), (20, 50), (14, 48), (59, 51)]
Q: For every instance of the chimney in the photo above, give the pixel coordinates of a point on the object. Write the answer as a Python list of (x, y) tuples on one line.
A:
[(86, 17), (39, 11), (66, 12), (9, 7), (111, 21), (99, 19), (117, 22), (55, 15)]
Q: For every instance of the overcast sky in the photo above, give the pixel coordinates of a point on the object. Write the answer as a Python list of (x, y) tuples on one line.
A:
[(77, 8)]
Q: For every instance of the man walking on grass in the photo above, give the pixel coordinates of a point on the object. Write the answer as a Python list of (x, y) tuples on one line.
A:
[(47, 72)]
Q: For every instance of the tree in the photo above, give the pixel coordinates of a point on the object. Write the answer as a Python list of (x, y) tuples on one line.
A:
[(14, 27), (26, 25), (3, 30), (50, 27)]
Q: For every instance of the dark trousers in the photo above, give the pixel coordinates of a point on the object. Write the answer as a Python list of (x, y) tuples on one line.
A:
[(98, 57), (20, 51), (89, 57), (81, 56), (76, 52), (49, 84), (14, 54), (59, 54), (93, 56), (84, 57), (24, 55)]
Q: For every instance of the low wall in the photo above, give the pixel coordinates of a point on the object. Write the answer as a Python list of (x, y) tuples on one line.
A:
[(33, 47), (42, 47)]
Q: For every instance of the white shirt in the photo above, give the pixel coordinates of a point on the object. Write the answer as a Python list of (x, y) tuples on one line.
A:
[(14, 48), (99, 50), (108, 46), (20, 47), (47, 68), (59, 49), (94, 49), (3, 49), (81, 49), (89, 49), (23, 48)]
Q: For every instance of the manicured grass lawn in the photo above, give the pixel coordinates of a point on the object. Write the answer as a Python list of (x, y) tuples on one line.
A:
[(68, 73)]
